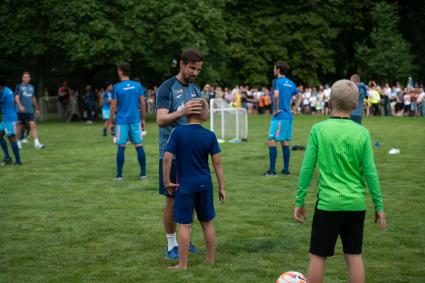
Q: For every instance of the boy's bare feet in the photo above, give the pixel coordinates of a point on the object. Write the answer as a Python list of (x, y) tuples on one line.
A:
[(177, 267)]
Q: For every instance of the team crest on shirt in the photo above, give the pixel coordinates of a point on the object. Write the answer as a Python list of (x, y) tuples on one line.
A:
[(193, 94)]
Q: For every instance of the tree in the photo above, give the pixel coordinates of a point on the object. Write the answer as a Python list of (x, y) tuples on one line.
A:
[(386, 56)]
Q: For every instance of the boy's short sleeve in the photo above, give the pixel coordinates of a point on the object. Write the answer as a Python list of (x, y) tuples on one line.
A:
[(215, 148), (163, 96), (114, 93), (172, 142), (142, 90), (295, 90)]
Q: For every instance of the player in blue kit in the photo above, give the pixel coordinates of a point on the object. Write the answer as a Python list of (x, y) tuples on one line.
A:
[(25, 103), (191, 145), (281, 124), (357, 113), (106, 106), (128, 102), (174, 103), (8, 123)]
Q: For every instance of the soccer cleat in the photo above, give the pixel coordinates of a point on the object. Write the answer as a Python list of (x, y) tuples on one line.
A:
[(24, 140), (172, 254), (118, 179), (192, 248), (269, 174), (142, 177), (285, 173), (39, 146), (6, 162)]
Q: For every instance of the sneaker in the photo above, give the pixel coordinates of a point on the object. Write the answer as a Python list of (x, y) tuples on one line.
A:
[(19, 144), (173, 254), (118, 179), (192, 248), (17, 164), (142, 177), (24, 140), (39, 146), (6, 162), (285, 173), (269, 174)]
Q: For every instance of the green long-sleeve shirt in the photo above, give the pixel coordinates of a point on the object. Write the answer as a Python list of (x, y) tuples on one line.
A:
[(343, 152)]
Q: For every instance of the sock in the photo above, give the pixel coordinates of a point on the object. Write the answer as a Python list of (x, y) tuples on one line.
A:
[(286, 154), (36, 141), (172, 241), (15, 149), (141, 157), (3, 145), (120, 160), (272, 157), (104, 132)]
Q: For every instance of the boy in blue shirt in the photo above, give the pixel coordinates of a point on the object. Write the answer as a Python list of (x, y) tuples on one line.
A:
[(8, 123), (281, 125), (128, 105), (106, 105), (193, 190)]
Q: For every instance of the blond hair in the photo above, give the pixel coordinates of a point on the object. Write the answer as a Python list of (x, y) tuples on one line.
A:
[(344, 95), (204, 110)]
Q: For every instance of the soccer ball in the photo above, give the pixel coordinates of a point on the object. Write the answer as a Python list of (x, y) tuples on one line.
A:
[(291, 277)]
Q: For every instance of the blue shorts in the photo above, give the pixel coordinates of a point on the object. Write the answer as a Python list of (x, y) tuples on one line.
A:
[(280, 130), (9, 128), (25, 117), (128, 132), (105, 114), (173, 177), (202, 202)]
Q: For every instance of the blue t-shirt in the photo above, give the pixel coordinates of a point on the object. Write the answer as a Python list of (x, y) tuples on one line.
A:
[(362, 94), (106, 96), (127, 94), (25, 93), (192, 144), (8, 106), (286, 90), (173, 95)]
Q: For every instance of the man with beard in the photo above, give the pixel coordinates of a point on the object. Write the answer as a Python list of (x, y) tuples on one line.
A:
[(173, 102)]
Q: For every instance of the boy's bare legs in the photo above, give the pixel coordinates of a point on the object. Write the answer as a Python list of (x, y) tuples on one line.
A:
[(169, 225), (209, 236), (355, 267), (316, 269), (184, 239)]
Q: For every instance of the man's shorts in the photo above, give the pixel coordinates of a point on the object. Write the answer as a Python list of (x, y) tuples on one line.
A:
[(357, 119), (202, 202), (128, 132), (280, 130), (25, 117), (105, 114), (9, 128), (173, 177), (327, 225)]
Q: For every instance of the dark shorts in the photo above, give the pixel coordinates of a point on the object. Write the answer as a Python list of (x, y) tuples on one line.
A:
[(25, 117), (357, 119), (326, 105), (202, 202), (173, 177), (407, 107), (327, 225)]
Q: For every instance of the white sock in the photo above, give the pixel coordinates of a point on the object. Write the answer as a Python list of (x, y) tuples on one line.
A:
[(36, 142), (172, 241)]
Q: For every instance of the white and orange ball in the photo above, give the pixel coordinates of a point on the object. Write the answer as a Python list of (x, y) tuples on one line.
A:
[(291, 277)]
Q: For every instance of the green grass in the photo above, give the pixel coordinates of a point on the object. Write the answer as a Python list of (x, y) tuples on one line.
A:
[(63, 219)]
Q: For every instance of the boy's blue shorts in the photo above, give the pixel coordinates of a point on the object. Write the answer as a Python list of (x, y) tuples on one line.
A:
[(128, 132), (280, 130), (202, 202), (9, 128), (105, 114)]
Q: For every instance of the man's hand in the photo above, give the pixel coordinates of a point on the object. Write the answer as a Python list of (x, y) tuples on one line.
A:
[(221, 195), (21, 109), (171, 187), (192, 107), (37, 113), (111, 127), (381, 220), (300, 214)]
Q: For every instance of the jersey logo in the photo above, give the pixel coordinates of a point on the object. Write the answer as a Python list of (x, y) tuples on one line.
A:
[(178, 96), (193, 94)]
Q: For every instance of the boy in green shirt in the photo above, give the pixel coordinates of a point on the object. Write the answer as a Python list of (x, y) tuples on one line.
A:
[(343, 152)]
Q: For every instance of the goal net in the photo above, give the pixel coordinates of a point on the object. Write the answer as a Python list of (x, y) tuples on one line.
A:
[(228, 123)]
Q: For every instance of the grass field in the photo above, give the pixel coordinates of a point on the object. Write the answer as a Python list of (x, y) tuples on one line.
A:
[(63, 219)]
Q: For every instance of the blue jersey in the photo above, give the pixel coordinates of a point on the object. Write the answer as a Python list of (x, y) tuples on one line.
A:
[(192, 144), (107, 96), (127, 94), (8, 106), (173, 95), (25, 93), (286, 90), (362, 95)]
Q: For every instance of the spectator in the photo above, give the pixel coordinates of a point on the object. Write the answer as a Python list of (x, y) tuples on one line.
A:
[(64, 93), (89, 100), (407, 99)]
